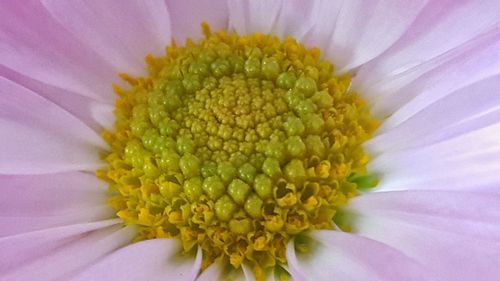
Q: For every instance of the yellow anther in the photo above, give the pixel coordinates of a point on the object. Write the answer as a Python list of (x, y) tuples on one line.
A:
[(323, 169)]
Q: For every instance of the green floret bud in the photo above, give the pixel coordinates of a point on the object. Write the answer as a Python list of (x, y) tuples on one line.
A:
[(209, 169), (200, 68), (293, 98), (172, 102), (305, 107), (220, 67), (271, 167), (226, 171), (247, 172), (225, 208), (253, 206), (149, 138), (306, 85), (185, 145), (169, 161), (322, 99), (270, 68), (190, 165), (214, 187), (168, 127), (237, 63), (286, 80), (293, 126), (263, 185), (192, 188), (314, 124), (295, 146), (315, 146), (191, 83), (252, 67), (238, 190), (174, 88), (295, 171)]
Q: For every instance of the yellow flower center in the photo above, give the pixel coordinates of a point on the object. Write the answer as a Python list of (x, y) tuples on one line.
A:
[(236, 144)]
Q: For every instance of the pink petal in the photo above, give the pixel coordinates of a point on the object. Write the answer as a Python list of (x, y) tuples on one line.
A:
[(468, 162), (52, 253), (93, 113), (40, 137), (123, 33), (441, 28), (453, 234), (157, 259), (222, 271), (253, 16), (30, 203), (291, 10), (468, 109), (33, 44), (364, 30), (213, 12), (343, 256), (412, 91)]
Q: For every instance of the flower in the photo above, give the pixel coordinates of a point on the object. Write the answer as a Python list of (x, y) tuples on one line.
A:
[(428, 69)]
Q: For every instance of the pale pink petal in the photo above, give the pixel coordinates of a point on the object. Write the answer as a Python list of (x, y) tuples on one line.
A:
[(455, 235), (437, 35), (364, 30), (33, 44), (223, 271), (253, 16), (30, 203), (94, 113), (342, 256), (317, 22), (122, 32), (298, 18), (40, 137), (213, 12), (151, 260), (470, 108), (56, 251), (468, 162), (412, 91)]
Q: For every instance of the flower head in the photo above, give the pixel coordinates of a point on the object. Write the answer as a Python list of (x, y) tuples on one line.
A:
[(321, 140)]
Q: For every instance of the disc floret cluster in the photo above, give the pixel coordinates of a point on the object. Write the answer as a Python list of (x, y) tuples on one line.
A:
[(235, 144)]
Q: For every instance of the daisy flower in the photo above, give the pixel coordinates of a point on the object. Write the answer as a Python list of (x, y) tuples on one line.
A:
[(282, 140)]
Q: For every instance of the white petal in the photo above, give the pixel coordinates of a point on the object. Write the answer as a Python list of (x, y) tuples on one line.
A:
[(410, 92), (364, 30), (40, 137), (343, 256), (453, 234), (30, 203), (468, 109), (94, 114), (253, 16), (152, 260), (438, 34), (53, 253), (33, 44), (122, 32), (213, 12), (468, 162), (222, 271)]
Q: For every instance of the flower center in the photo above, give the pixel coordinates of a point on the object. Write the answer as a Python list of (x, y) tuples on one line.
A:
[(235, 144)]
